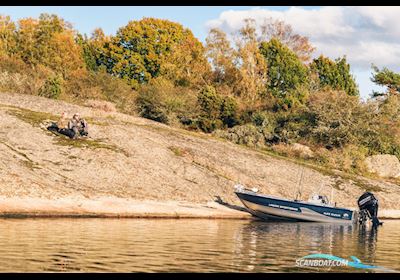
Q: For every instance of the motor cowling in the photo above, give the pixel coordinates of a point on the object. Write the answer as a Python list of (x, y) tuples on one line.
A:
[(367, 201)]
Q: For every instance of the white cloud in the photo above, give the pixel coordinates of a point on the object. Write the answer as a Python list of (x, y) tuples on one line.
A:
[(364, 34)]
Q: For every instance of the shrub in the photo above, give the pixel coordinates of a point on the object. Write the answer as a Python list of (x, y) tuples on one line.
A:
[(161, 101), (210, 102), (216, 111), (247, 134), (208, 125), (228, 112), (52, 88), (338, 118), (350, 158), (16, 76), (101, 105)]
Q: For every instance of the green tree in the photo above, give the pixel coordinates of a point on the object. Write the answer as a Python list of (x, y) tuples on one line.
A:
[(386, 78), (335, 74), (141, 50), (288, 77), (94, 52)]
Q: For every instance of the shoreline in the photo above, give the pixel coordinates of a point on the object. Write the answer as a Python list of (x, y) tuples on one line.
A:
[(127, 208), (114, 208)]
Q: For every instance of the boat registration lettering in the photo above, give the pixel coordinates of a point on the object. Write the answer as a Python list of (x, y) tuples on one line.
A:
[(283, 207)]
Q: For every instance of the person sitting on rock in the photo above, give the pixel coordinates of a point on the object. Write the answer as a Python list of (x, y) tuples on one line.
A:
[(62, 122), (61, 126), (78, 126)]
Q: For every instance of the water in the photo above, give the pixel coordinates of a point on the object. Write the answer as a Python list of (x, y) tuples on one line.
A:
[(157, 245)]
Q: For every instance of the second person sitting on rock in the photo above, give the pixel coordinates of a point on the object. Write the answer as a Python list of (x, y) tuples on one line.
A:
[(77, 127)]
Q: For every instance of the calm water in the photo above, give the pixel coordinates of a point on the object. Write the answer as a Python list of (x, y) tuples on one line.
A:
[(127, 245)]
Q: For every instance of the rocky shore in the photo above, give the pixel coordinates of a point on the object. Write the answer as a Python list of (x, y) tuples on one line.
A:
[(134, 167)]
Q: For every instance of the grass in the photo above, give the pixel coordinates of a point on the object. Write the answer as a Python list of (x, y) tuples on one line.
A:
[(37, 118), (32, 117), (180, 152)]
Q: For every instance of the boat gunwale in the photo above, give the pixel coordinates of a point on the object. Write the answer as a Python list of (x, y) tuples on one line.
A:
[(300, 202)]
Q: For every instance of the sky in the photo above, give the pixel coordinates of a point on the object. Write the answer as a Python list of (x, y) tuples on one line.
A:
[(364, 34)]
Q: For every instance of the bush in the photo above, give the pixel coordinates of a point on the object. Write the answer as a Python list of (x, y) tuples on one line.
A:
[(247, 134), (16, 76), (210, 103), (161, 101), (350, 158), (338, 119), (52, 88), (101, 105), (228, 112), (208, 125), (216, 111)]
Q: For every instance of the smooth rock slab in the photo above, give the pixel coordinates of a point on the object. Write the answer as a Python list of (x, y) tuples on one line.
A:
[(387, 166)]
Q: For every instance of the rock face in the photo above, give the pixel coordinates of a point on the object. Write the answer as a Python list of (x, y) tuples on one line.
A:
[(387, 166), (127, 158)]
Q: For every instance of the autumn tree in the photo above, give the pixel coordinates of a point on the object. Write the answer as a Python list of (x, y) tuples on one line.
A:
[(7, 35), (287, 76), (283, 32), (48, 41), (222, 57), (251, 63), (335, 74), (142, 49)]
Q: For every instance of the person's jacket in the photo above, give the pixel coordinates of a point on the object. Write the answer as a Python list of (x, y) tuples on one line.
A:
[(81, 125)]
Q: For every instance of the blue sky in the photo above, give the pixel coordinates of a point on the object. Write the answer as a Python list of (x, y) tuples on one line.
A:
[(86, 18)]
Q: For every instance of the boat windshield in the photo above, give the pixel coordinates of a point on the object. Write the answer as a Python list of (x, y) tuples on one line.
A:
[(319, 199)]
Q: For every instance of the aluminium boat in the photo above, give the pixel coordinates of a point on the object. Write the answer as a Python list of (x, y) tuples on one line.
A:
[(317, 209)]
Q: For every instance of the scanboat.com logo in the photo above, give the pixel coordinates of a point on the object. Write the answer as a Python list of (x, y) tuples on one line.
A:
[(319, 260)]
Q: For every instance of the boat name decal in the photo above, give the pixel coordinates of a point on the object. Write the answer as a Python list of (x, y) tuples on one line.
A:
[(283, 207), (332, 214)]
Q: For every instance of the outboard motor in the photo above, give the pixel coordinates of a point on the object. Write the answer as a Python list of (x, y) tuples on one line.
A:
[(368, 204)]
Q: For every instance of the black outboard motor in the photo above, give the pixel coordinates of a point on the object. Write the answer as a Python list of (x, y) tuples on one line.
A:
[(369, 204)]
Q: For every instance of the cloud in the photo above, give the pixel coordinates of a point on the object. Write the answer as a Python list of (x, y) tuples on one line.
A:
[(364, 34)]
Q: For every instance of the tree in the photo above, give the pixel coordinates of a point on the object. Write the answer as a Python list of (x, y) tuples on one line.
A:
[(7, 35), (242, 68), (49, 41), (94, 52), (141, 50), (335, 74), (287, 75), (187, 65), (339, 119), (222, 57), (251, 64), (283, 32), (386, 78)]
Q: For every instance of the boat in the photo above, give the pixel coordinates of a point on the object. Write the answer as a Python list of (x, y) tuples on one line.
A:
[(317, 209)]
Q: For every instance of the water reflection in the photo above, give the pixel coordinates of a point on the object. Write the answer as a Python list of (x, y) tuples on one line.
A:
[(186, 245)]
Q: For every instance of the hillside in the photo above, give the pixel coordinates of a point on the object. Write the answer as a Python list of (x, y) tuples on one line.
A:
[(136, 167)]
